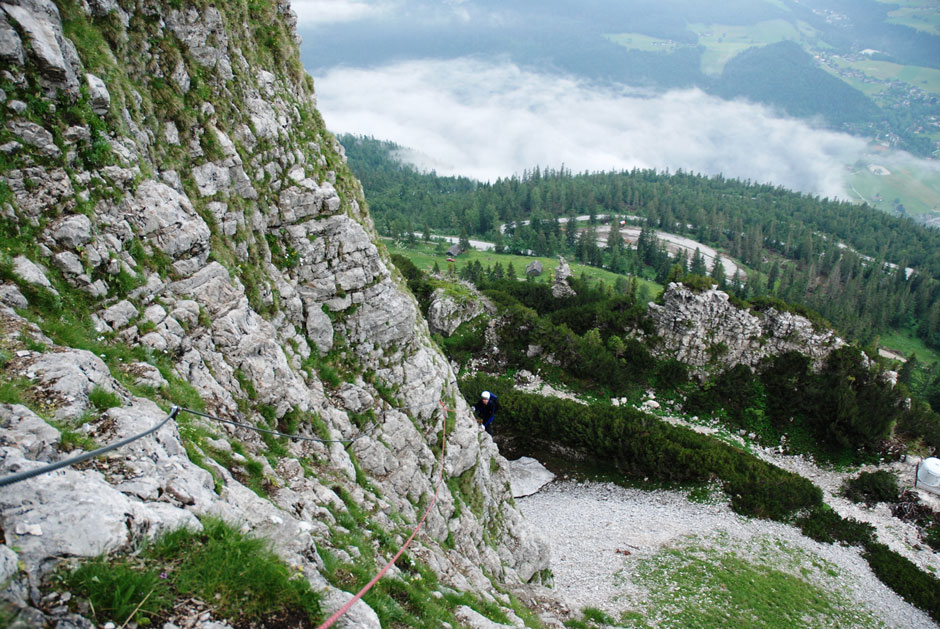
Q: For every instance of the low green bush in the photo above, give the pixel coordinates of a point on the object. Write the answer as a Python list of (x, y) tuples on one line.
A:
[(825, 525), (904, 577), (872, 487), (640, 445)]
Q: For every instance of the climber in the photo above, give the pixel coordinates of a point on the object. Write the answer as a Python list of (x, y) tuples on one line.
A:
[(485, 410)]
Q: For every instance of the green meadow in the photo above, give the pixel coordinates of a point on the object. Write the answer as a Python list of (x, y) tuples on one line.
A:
[(913, 183), (425, 255), (922, 15), (723, 42)]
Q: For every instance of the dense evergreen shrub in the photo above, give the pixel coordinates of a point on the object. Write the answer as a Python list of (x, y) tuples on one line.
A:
[(825, 525), (904, 577), (640, 445), (872, 487), (417, 281)]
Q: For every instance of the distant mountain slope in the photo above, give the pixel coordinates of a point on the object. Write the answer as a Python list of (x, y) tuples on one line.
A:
[(783, 74)]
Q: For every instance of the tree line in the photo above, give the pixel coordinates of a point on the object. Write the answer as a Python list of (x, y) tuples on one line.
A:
[(845, 260)]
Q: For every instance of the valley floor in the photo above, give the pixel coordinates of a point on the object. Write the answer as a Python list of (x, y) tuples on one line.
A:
[(667, 561)]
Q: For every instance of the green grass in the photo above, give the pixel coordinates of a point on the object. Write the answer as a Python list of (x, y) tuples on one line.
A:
[(699, 587), (103, 400), (906, 343), (913, 183), (120, 591), (723, 42), (237, 576), (921, 15), (423, 256), (927, 79)]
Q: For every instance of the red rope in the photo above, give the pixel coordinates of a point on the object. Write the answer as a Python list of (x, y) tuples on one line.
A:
[(345, 608)]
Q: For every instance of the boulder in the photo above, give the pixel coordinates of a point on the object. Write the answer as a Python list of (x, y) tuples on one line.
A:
[(11, 47), (11, 296), (447, 310), (120, 314), (98, 97), (40, 21), (30, 273), (166, 219), (527, 476), (534, 269), (72, 231), (560, 287), (34, 135)]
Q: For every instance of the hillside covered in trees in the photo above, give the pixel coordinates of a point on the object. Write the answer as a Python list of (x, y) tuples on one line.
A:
[(848, 262)]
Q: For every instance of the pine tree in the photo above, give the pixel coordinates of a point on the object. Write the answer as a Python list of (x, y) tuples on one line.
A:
[(698, 264), (718, 272)]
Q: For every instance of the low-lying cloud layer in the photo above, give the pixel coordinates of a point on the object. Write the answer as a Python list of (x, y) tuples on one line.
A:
[(487, 119)]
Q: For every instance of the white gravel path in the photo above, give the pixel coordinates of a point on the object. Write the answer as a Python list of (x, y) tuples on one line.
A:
[(588, 523)]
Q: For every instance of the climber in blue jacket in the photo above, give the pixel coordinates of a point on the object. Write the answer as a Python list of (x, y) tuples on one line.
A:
[(485, 410)]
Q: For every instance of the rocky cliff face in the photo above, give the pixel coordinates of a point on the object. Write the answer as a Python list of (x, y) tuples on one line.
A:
[(705, 330), (179, 226)]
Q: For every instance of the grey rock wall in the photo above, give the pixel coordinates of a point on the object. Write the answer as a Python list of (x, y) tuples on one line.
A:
[(215, 225), (706, 331)]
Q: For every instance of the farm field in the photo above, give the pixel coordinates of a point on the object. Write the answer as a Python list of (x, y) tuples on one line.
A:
[(645, 43), (922, 15), (927, 79), (722, 42), (914, 183)]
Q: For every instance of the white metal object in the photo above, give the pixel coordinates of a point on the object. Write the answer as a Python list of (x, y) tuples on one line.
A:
[(928, 475)]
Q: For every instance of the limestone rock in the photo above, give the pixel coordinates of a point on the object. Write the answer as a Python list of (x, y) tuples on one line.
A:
[(527, 476), (31, 273), (37, 189), (120, 314), (476, 620), (560, 287), (705, 328), (359, 616), (165, 218), (11, 48), (40, 21), (72, 231), (34, 135), (27, 430), (72, 513), (448, 311), (12, 297), (68, 263), (68, 377), (98, 97)]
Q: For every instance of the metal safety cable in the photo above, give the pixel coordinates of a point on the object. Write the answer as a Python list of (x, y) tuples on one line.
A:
[(345, 608), (21, 476)]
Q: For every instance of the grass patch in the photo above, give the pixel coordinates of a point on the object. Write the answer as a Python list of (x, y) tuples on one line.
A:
[(700, 587), (239, 577), (722, 42), (120, 591), (103, 400), (424, 256)]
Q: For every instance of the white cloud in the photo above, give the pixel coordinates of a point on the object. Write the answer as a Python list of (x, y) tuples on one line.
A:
[(320, 12), (492, 119)]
